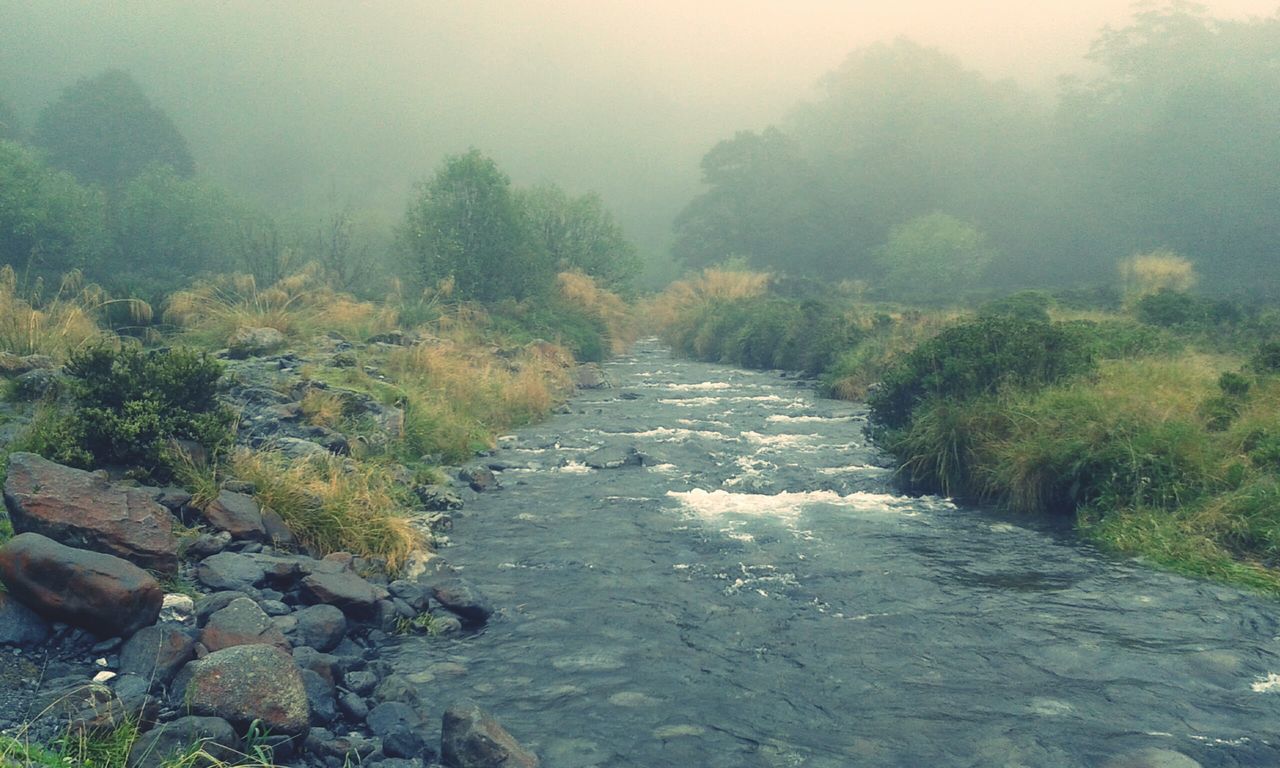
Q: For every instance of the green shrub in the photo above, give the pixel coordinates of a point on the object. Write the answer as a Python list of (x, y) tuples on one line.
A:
[(128, 405), (978, 357), (1025, 305), (1168, 309), (1123, 339), (1267, 359)]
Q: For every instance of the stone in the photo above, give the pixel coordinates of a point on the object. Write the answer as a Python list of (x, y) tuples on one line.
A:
[(207, 544), (400, 727), (19, 625), (438, 498), (241, 622), (347, 591), (101, 593), (237, 514), (39, 383), (230, 571), (245, 683), (278, 532), (464, 600), (208, 604), (397, 688), (325, 665), (353, 707), (610, 458), (178, 608), (159, 746), (1151, 757), (16, 365), (320, 626), (82, 510), (360, 681), (156, 653), (253, 342), (590, 376), (472, 738), (321, 697), (411, 592), (479, 477), (274, 608)]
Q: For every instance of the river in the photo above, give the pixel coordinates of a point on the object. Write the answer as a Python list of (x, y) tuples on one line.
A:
[(757, 595)]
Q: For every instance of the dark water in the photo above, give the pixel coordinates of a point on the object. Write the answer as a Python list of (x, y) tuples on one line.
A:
[(761, 598)]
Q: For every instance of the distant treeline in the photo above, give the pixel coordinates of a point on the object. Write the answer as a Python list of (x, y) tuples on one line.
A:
[(926, 180)]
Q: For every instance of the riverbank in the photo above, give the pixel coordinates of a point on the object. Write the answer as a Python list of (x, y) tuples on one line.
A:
[(1154, 429)]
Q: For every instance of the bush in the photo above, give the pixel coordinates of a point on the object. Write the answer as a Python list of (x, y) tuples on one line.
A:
[(978, 357), (1028, 306), (1169, 309), (1267, 359), (129, 405)]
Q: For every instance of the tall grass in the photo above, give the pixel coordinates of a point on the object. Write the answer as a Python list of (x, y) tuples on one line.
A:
[(581, 291), (669, 308), (57, 325)]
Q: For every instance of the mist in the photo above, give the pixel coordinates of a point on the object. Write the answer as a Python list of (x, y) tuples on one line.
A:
[(321, 105)]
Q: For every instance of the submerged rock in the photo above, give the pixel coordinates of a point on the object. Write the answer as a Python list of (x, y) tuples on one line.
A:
[(472, 738)]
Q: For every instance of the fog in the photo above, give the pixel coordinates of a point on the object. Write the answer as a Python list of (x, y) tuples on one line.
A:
[(330, 103)]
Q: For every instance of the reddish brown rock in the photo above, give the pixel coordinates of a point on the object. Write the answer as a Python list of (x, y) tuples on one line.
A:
[(102, 593), (237, 514), (82, 510), (247, 683), (242, 622), (355, 596)]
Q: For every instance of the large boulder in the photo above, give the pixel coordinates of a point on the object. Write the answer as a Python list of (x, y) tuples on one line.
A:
[(156, 653), (82, 510), (250, 342), (472, 738), (245, 683), (590, 376), (319, 626), (230, 571), (237, 514), (102, 593), (462, 599), (19, 625), (241, 622), (345, 590), (161, 745)]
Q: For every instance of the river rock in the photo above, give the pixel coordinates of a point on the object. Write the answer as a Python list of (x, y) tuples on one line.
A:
[(102, 593), (237, 514), (612, 458), (400, 727), (246, 683), (319, 626), (347, 591), (19, 625), (438, 498), (1152, 757), (463, 599), (479, 477), (472, 738), (252, 342), (82, 510), (159, 746), (321, 697), (590, 376), (241, 622), (156, 653), (230, 571)]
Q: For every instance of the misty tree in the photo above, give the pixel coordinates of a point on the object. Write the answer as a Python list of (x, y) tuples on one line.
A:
[(762, 206), (105, 130), (465, 223), (49, 223), (579, 233), (932, 257), (10, 128)]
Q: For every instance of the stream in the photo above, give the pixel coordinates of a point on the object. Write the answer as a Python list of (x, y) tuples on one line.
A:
[(757, 594)]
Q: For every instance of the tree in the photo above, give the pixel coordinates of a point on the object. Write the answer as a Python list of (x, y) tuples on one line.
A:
[(105, 131), (579, 233), (933, 256), (49, 224), (10, 129), (465, 224)]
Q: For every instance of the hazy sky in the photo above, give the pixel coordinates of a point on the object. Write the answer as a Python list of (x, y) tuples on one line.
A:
[(306, 102)]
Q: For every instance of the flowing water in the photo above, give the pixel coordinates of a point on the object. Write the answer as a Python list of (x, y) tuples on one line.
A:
[(757, 595)]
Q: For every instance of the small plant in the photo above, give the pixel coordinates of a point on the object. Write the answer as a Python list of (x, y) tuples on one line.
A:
[(425, 623)]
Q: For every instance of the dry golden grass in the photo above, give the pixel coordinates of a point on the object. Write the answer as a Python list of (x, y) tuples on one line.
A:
[(582, 292), (669, 307), (69, 320), (1146, 273), (298, 305), (333, 504), (323, 408)]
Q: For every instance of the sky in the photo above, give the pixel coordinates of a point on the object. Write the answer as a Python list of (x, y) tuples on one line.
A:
[(330, 103)]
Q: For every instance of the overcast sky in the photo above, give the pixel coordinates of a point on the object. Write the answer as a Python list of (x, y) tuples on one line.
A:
[(317, 102)]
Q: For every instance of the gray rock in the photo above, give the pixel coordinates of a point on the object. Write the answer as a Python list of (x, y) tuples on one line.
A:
[(463, 599), (325, 665), (590, 376), (360, 681), (241, 622), (156, 748), (397, 688), (479, 477), (400, 727), (246, 683), (207, 544), (319, 626), (1151, 757), (253, 342), (230, 571), (353, 707), (19, 625), (321, 697), (438, 498), (274, 608), (207, 605), (611, 458), (237, 514), (39, 383), (156, 653), (102, 593), (347, 591), (472, 738), (280, 571), (410, 592)]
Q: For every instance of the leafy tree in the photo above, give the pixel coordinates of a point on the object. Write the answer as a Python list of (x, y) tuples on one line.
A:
[(931, 257), (465, 223), (10, 129), (579, 233), (104, 130), (49, 224)]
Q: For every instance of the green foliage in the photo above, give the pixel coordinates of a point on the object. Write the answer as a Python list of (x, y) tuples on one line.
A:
[(1119, 339), (104, 130), (128, 405), (1027, 306), (49, 224), (1267, 359), (466, 225), (579, 233), (976, 358), (10, 128), (932, 257)]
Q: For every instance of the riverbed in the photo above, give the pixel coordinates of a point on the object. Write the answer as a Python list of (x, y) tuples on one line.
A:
[(748, 589)]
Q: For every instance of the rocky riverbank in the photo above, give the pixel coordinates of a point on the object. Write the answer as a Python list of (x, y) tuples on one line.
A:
[(205, 622)]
